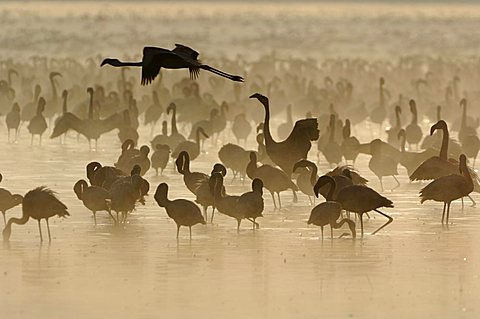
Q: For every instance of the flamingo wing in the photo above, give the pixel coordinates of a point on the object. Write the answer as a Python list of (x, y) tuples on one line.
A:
[(183, 50), (152, 62)]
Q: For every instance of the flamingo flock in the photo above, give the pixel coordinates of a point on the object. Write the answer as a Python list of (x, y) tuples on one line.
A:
[(323, 113)]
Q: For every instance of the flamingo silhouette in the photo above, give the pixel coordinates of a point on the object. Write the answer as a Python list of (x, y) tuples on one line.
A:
[(182, 57)]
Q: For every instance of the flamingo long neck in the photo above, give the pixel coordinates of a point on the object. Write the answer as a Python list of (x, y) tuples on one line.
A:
[(174, 121), (313, 174), (402, 142), (54, 89), (186, 165), (197, 138), (90, 107), (444, 148), (18, 221), (397, 118), (162, 198), (347, 131), (332, 131), (414, 115), (122, 64), (64, 107), (339, 224), (466, 173), (381, 96), (36, 95), (351, 225), (464, 116), (266, 126)]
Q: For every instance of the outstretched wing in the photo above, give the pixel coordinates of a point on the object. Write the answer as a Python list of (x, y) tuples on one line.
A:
[(185, 51), (151, 63)]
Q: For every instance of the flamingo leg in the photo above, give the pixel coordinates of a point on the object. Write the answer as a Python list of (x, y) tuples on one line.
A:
[(213, 213), (110, 213), (273, 198), (381, 183), (178, 230), (443, 213), (279, 201), (473, 202), (331, 232), (48, 229), (390, 219), (255, 224), (448, 211), (321, 227), (4, 219), (190, 229), (238, 225), (95, 217), (398, 183), (40, 230), (361, 223)]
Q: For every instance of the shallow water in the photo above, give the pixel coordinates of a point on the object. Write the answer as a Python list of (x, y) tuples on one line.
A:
[(414, 268)]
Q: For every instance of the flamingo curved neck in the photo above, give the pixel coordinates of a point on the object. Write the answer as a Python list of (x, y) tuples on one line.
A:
[(13, 220), (266, 126), (186, 165), (313, 175), (162, 198)]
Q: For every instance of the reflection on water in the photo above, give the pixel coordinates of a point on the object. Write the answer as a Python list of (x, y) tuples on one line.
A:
[(282, 270), (414, 268)]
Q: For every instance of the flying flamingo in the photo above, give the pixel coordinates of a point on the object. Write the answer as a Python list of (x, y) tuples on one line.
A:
[(182, 57)]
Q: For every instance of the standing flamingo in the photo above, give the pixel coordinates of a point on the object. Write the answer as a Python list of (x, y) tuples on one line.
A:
[(40, 203)]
